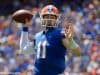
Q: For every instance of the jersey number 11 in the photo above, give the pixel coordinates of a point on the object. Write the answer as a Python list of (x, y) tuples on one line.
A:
[(41, 50)]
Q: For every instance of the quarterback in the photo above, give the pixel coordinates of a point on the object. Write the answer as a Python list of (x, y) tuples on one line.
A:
[(51, 44)]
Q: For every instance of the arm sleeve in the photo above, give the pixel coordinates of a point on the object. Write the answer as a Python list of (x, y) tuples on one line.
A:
[(26, 47), (24, 39)]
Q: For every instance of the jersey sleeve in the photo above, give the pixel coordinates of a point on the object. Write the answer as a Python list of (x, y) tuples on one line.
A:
[(61, 34)]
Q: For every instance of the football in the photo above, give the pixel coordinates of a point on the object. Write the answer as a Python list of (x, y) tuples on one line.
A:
[(22, 15)]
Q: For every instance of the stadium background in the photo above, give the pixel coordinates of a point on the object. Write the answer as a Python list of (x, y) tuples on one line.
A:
[(86, 18)]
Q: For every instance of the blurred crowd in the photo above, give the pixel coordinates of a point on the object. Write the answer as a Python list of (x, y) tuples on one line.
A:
[(86, 21)]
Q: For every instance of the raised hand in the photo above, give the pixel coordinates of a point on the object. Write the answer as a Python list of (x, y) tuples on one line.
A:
[(68, 28)]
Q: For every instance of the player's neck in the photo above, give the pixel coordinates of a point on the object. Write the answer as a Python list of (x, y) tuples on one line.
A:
[(48, 29)]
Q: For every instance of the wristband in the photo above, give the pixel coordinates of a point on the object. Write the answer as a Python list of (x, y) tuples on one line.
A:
[(72, 44), (25, 29)]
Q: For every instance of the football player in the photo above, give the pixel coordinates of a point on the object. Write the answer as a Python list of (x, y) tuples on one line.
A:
[(51, 44)]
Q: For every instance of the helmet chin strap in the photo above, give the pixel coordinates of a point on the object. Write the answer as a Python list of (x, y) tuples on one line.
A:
[(48, 28)]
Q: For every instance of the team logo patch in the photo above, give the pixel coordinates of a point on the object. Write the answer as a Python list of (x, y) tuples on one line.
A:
[(50, 9)]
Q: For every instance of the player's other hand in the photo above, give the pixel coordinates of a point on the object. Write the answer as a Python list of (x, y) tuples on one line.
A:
[(69, 30), (27, 22)]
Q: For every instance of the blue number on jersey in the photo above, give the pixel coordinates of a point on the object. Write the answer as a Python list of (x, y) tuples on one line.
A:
[(50, 51)]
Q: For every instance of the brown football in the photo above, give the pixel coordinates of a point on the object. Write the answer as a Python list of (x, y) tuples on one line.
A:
[(22, 15)]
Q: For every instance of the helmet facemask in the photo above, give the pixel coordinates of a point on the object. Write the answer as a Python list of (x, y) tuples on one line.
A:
[(49, 20)]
